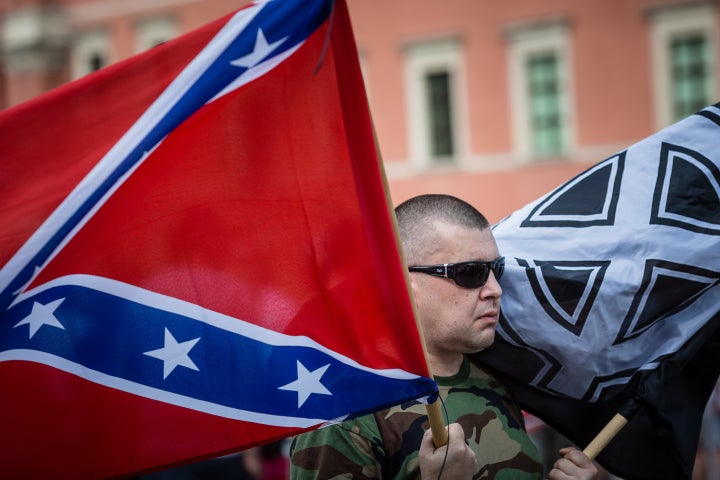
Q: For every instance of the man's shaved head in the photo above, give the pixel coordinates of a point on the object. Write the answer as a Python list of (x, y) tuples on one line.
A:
[(420, 217)]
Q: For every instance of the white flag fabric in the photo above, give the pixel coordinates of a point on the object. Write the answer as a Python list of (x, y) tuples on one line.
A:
[(610, 275)]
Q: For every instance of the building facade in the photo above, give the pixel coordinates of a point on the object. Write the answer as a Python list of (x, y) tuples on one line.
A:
[(494, 101)]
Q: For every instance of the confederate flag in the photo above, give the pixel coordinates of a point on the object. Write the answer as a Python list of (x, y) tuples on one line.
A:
[(198, 252)]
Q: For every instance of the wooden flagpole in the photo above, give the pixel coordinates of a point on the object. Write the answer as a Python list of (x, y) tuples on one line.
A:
[(437, 424), (606, 434), (434, 412), (613, 427), (435, 417)]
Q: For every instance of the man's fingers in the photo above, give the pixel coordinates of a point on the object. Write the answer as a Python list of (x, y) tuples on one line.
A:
[(576, 456), (574, 464), (455, 433)]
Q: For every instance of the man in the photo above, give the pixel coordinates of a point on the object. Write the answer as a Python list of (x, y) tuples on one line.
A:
[(454, 268)]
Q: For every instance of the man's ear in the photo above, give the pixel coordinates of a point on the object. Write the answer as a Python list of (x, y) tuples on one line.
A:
[(411, 281), (414, 287)]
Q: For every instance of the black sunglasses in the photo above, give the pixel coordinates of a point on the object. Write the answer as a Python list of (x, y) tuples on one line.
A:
[(465, 274)]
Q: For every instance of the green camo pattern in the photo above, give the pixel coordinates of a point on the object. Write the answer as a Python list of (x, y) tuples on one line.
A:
[(385, 445)]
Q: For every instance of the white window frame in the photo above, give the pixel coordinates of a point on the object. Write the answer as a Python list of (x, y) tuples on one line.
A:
[(669, 23), (421, 59), (153, 31), (34, 37), (525, 42), (87, 44)]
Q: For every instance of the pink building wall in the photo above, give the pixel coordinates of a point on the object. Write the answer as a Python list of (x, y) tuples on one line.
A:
[(611, 71), (611, 75)]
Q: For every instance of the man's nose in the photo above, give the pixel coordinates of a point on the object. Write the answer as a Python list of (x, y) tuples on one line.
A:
[(492, 288)]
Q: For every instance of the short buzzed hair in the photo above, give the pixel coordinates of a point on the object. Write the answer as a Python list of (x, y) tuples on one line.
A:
[(416, 218)]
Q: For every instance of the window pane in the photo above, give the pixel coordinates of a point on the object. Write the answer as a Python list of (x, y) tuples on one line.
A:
[(545, 113), (689, 75), (439, 114)]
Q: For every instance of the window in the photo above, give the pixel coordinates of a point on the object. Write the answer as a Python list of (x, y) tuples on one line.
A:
[(153, 32), (434, 73), (540, 92), (682, 45), (545, 114), (689, 75), (437, 89), (91, 52)]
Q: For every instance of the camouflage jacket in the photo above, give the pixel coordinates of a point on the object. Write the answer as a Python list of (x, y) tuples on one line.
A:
[(385, 445)]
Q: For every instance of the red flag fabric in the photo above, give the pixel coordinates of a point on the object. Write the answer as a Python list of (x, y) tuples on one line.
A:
[(199, 253)]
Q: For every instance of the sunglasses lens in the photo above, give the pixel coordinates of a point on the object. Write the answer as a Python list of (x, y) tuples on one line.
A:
[(499, 268), (471, 274)]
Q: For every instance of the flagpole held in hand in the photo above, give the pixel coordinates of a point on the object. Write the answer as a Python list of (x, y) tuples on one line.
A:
[(437, 424), (435, 417), (605, 436), (612, 428)]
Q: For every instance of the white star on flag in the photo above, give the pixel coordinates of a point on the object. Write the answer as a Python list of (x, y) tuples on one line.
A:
[(173, 354), (42, 315), (307, 383), (260, 51)]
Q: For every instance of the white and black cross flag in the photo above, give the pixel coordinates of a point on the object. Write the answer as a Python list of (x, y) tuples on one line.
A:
[(612, 297)]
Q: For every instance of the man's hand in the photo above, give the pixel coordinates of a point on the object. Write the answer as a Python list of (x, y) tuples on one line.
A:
[(574, 465), (460, 463)]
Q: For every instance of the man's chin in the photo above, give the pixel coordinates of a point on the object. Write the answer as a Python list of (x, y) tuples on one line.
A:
[(484, 342)]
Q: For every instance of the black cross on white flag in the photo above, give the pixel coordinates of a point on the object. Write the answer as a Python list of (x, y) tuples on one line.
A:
[(610, 276)]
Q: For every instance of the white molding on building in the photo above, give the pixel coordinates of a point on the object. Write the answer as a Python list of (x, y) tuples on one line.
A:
[(34, 38), (666, 24), (421, 59), (105, 10), (90, 47), (525, 41), (151, 32)]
